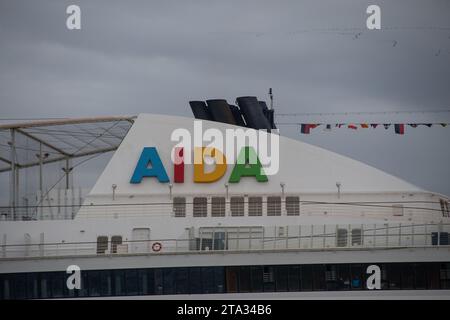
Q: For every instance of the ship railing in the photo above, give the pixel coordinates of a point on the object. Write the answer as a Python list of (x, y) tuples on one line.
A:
[(253, 238)]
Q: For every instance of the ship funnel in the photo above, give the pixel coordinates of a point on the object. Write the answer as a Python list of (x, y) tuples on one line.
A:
[(237, 116), (268, 113), (200, 110), (253, 113), (220, 111)]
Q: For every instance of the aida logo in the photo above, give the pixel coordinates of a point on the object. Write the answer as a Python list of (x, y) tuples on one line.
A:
[(209, 152), (247, 165)]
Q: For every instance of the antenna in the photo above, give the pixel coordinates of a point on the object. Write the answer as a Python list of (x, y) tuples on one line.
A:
[(271, 98)]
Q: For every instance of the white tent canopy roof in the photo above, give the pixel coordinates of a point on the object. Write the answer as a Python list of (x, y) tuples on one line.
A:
[(59, 139)]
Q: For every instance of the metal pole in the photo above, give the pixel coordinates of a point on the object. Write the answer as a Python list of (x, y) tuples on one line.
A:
[(41, 187), (40, 168), (16, 192), (271, 98), (67, 173), (12, 187)]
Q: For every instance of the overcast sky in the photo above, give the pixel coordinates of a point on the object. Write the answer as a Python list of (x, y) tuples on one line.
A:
[(135, 57)]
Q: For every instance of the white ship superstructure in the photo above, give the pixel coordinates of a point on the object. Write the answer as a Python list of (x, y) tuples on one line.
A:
[(315, 225)]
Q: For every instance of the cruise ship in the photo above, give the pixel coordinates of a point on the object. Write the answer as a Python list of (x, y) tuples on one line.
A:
[(176, 216)]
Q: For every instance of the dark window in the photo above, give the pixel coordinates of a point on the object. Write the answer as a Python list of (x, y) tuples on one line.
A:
[(445, 275), (232, 277), (150, 280), (143, 281), (433, 276), (179, 206), (131, 282), (357, 276), (269, 279), (257, 278), (219, 240), (343, 277), (200, 207), (169, 281), (294, 278), (158, 281), (182, 280), (255, 206), (237, 206), (102, 244), (105, 283), (32, 286), (274, 206), (7, 288), (384, 277), (58, 280), (434, 238), (119, 283), (94, 283), (45, 285), (331, 277), (395, 276), (208, 280), (2, 289), (219, 279), (319, 282), (356, 237), (115, 241), (206, 244), (281, 278), (407, 276), (292, 206), (244, 279), (420, 273), (218, 207), (307, 277), (84, 291), (20, 288), (195, 280), (341, 240), (442, 240)]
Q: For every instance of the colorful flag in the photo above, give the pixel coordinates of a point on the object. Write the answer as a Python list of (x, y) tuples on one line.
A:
[(364, 125), (399, 128), (305, 128), (352, 126), (374, 125)]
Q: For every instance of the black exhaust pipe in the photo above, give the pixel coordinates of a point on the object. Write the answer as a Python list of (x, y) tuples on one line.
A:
[(200, 110), (253, 113), (268, 113), (220, 111), (237, 116)]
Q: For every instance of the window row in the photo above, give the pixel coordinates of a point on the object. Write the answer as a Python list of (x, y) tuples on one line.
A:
[(233, 279), (103, 244), (237, 206)]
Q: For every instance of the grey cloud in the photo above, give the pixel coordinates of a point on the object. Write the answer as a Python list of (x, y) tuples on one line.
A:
[(154, 56)]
